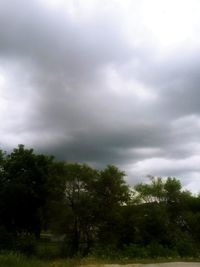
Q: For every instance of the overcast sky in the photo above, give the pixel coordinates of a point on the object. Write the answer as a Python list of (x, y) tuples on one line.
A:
[(104, 82)]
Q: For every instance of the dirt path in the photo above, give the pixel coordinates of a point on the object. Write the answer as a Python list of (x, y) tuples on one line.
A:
[(171, 264), (174, 264)]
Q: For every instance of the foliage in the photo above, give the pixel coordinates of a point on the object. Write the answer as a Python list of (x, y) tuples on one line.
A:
[(85, 211), (25, 178)]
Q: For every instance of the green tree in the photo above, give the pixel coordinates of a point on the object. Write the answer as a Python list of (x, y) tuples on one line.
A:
[(173, 190), (25, 191), (112, 193), (151, 192), (81, 209), (2, 181)]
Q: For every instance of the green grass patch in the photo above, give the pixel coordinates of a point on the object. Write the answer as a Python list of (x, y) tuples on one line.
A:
[(17, 260), (9, 259)]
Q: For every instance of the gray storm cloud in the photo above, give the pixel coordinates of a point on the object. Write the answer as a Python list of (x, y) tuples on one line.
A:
[(93, 85)]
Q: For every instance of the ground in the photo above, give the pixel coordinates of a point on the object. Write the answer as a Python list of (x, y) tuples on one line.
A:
[(171, 264)]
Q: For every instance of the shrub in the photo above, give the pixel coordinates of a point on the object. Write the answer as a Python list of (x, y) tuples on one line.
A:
[(186, 248), (49, 250), (134, 251), (105, 253), (6, 239), (26, 244)]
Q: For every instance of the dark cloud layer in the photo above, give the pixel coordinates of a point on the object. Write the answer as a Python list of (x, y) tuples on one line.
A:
[(91, 83)]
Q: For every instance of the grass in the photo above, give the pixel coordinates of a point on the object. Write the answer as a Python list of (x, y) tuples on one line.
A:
[(15, 260), (9, 259), (18, 260)]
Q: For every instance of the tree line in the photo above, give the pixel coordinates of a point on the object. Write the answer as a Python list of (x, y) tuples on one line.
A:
[(93, 211)]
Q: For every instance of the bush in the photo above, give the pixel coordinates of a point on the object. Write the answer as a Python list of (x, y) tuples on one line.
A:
[(105, 253), (156, 250), (134, 251), (6, 239), (153, 250), (26, 244), (186, 248), (48, 250), (23, 243)]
